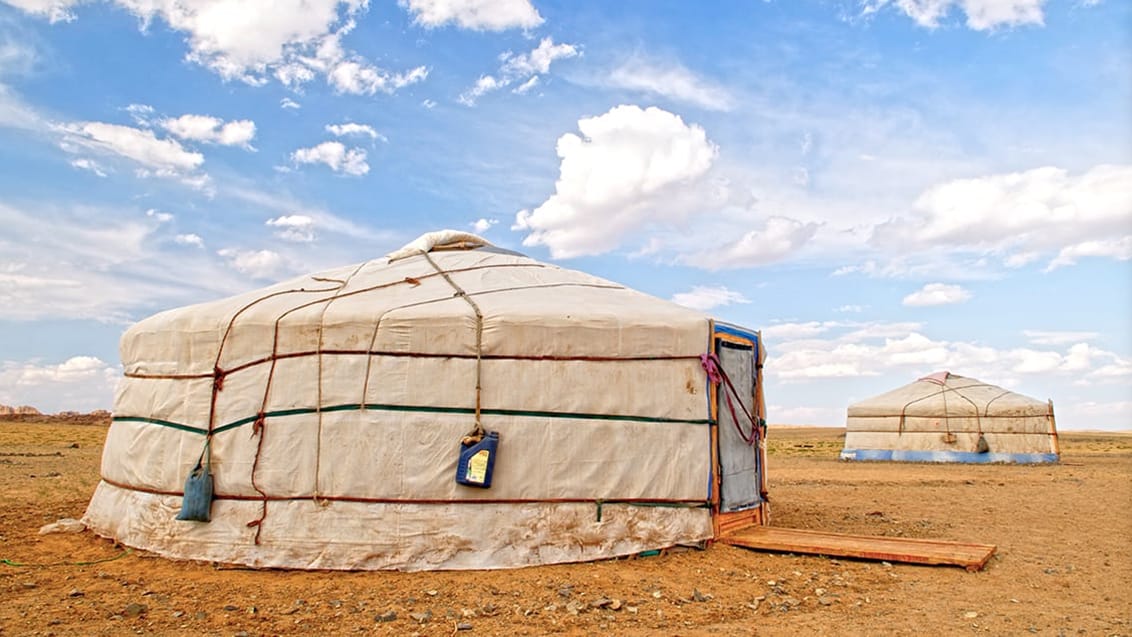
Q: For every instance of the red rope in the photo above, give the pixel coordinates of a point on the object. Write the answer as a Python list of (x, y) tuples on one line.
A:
[(718, 377)]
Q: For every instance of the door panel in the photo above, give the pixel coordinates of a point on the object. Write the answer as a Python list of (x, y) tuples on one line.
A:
[(738, 460)]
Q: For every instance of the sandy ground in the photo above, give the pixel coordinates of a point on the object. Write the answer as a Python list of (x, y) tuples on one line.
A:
[(1063, 566)]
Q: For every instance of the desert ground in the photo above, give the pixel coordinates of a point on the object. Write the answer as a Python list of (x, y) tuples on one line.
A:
[(1063, 565)]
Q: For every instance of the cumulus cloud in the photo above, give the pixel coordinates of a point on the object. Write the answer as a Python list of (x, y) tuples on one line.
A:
[(259, 264), (159, 216), (293, 41), (189, 240), (622, 172), (82, 383), (524, 68), (671, 80), (350, 128), (480, 226), (708, 297), (205, 128), (479, 15), (152, 156), (937, 294), (288, 103), (53, 10), (1019, 217), (89, 165), (297, 228), (336, 156), (981, 15), (833, 350), (778, 238)]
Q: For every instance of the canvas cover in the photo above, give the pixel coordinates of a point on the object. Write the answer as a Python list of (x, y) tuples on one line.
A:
[(941, 418), (335, 403)]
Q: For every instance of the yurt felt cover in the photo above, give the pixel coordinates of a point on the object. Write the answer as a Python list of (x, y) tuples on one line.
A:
[(334, 405), (941, 418)]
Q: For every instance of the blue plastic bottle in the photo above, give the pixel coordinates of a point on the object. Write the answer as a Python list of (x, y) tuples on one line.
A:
[(477, 461)]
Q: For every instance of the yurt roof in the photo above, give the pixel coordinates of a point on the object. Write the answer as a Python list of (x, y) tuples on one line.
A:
[(947, 394), (414, 296)]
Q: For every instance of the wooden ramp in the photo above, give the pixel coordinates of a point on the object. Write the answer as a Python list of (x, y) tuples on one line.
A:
[(894, 549)]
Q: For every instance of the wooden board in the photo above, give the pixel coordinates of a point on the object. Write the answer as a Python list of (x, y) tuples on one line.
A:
[(893, 549)]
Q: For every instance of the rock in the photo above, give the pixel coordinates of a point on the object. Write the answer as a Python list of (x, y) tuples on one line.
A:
[(231, 607), (73, 445), (657, 594), (701, 597), (65, 525), (336, 603), (825, 601), (75, 593), (422, 618), (566, 591), (29, 585), (615, 605), (388, 616), (754, 605), (199, 615), (431, 593), (134, 609), (970, 614), (178, 613), (601, 602), (242, 633), (463, 626), (819, 591)]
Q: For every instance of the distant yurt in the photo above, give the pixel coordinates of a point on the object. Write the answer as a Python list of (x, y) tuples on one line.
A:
[(949, 418), (450, 406)]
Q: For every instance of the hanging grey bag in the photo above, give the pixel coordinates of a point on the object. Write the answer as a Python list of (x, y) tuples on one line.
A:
[(196, 506)]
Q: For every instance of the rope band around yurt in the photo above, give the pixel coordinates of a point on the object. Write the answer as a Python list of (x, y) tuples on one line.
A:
[(478, 432)]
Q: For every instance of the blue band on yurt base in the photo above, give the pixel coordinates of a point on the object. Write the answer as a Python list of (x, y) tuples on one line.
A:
[(970, 457)]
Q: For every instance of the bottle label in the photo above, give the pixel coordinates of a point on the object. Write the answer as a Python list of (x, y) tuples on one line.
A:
[(477, 467)]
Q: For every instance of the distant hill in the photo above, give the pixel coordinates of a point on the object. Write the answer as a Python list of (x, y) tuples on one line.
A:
[(28, 414)]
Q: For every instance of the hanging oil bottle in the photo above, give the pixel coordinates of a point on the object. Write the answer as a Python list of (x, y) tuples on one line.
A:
[(477, 460)]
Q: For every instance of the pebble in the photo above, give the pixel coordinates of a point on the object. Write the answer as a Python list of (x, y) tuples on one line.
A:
[(422, 618), (970, 614), (242, 633), (463, 626), (75, 593), (231, 607), (601, 602), (386, 617), (700, 597), (199, 615), (134, 610), (825, 601), (178, 613)]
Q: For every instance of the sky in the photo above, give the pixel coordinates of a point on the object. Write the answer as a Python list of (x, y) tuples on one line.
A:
[(886, 188)]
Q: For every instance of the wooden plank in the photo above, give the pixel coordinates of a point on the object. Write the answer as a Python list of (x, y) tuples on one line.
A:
[(870, 547)]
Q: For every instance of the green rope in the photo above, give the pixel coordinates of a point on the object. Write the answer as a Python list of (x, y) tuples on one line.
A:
[(119, 556)]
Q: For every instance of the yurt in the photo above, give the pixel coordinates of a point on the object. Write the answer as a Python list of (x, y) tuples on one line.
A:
[(949, 418), (452, 405)]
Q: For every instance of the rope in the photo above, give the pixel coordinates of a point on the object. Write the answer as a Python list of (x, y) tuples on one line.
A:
[(478, 433), (119, 556), (717, 376)]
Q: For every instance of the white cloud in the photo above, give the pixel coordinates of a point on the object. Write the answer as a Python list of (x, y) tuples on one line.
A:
[(849, 308), (429, 104), (672, 81), (524, 68), (1041, 337), (205, 128), (159, 216), (1120, 249), (480, 15), (937, 294), (480, 226), (259, 264), (287, 102), (624, 171), (777, 239), (53, 10), (16, 113), (523, 88), (189, 240), (165, 156), (982, 15), (88, 164), (336, 156), (80, 383), (705, 298), (297, 228), (350, 128), (1017, 218), (360, 78), (291, 40)]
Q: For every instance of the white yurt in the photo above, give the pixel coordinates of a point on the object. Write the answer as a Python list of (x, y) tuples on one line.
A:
[(450, 406), (949, 418)]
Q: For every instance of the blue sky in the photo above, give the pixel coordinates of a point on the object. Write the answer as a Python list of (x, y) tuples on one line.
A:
[(887, 188)]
